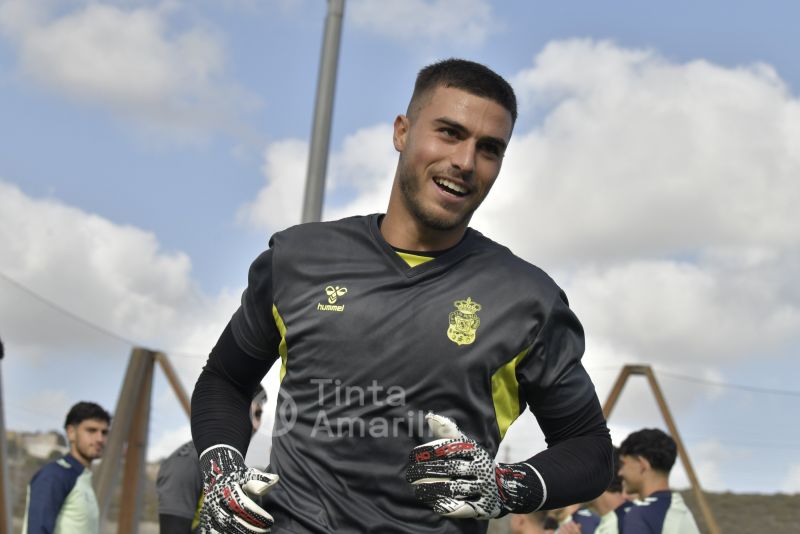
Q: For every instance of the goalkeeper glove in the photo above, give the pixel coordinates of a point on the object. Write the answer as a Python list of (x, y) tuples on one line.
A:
[(457, 477), (228, 485)]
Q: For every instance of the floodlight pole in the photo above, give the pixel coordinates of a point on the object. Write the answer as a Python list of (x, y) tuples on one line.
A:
[(323, 111)]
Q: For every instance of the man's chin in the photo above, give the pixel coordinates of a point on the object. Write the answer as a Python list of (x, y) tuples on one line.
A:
[(445, 221)]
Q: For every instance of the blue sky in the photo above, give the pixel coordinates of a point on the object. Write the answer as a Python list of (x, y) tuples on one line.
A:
[(149, 149)]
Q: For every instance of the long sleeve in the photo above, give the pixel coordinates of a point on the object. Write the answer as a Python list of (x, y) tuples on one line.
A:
[(222, 395), (47, 492), (577, 466)]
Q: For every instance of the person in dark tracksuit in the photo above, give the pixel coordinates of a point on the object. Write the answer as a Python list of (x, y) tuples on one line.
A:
[(646, 459)]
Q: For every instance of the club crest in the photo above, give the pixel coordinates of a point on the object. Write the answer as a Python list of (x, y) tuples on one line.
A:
[(464, 322)]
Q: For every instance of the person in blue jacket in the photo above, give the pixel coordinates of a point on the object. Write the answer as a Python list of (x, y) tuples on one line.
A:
[(646, 459), (60, 495)]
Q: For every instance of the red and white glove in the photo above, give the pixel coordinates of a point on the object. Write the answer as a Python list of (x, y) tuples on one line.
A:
[(228, 485), (457, 478)]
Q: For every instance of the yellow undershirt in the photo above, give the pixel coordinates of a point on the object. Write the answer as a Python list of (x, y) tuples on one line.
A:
[(413, 259)]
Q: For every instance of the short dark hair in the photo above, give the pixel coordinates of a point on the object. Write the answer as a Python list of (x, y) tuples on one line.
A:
[(615, 486), (86, 410), (652, 444), (474, 78), (260, 395)]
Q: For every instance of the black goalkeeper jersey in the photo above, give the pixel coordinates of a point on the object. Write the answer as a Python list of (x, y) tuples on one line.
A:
[(369, 345)]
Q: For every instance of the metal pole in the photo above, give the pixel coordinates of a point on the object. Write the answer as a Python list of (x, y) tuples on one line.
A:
[(323, 111)]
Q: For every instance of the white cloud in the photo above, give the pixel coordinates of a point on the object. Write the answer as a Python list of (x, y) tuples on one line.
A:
[(116, 277), (708, 460), (131, 61), (279, 204), (791, 484), (647, 194), (365, 164), (681, 313), (461, 22), (637, 156)]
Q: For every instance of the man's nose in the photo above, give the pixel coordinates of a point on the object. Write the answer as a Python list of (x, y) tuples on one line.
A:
[(463, 157)]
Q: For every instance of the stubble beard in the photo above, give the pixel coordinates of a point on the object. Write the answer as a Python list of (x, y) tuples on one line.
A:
[(410, 189), (87, 454)]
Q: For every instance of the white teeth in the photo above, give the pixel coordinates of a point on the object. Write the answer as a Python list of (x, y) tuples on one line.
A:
[(450, 185)]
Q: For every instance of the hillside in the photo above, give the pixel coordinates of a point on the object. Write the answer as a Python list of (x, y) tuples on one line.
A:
[(735, 513)]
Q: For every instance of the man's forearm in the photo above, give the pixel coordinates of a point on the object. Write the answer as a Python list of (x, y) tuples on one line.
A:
[(575, 470), (222, 395)]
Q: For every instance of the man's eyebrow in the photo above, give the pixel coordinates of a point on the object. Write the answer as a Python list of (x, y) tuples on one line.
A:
[(460, 128)]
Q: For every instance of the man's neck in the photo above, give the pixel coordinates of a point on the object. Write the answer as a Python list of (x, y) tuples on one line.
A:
[(82, 459), (608, 502), (409, 234), (653, 485)]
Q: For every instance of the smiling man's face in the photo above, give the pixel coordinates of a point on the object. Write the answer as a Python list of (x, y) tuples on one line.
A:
[(451, 150)]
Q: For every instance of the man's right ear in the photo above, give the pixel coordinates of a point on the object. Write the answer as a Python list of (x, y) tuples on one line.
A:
[(401, 125)]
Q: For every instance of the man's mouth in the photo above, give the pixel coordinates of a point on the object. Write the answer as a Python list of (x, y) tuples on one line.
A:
[(450, 187)]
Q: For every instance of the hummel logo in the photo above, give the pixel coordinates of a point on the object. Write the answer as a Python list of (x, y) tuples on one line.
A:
[(333, 292)]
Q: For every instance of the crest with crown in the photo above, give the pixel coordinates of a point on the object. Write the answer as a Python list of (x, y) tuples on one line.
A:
[(468, 306)]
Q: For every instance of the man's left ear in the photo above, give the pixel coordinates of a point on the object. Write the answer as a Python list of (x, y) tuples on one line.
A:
[(644, 464), (401, 125)]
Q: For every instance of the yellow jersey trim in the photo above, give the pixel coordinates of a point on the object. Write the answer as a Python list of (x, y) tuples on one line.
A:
[(413, 259), (196, 518), (282, 350), (505, 393)]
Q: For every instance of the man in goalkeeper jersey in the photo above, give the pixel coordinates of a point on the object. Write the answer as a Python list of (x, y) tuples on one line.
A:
[(409, 343)]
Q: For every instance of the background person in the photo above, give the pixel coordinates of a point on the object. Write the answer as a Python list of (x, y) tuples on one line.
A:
[(612, 505), (575, 519), (532, 523), (646, 459), (60, 494)]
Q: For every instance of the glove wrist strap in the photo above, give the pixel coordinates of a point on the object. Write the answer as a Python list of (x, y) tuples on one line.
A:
[(520, 488), (219, 460)]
